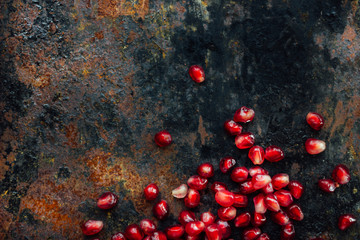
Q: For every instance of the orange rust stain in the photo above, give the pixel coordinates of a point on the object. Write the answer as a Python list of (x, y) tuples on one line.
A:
[(8, 139), (116, 8), (349, 34), (202, 131), (72, 135), (132, 36), (41, 81), (99, 35), (5, 222)]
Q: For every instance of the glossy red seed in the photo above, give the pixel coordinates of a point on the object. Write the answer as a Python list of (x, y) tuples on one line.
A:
[(268, 189), (226, 164), (258, 219), (147, 238), (271, 202), (175, 232), (186, 216), (213, 232), (232, 128), (196, 182), (239, 174), (197, 73), (280, 180), (280, 218), (158, 236), (240, 200), (257, 170), (118, 236), (243, 220), (314, 146), (244, 115), (107, 200), (180, 192), (259, 203), (296, 189), (251, 233), (247, 187), (287, 232), (256, 155), (194, 228), (295, 212), (147, 226), (327, 185), (244, 140), (92, 227), (284, 197), (346, 220), (163, 138), (192, 199), (218, 186), (224, 198), (225, 228), (341, 174), (274, 154), (151, 192), (227, 213), (205, 170), (207, 218), (260, 181), (263, 236), (161, 210), (133, 232), (315, 120)]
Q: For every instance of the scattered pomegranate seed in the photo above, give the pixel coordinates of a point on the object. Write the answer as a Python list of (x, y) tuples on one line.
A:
[(247, 187), (213, 232), (296, 189), (314, 146), (271, 202), (256, 155), (147, 226), (194, 228), (260, 181), (206, 170), (239, 174), (232, 127), (295, 212), (192, 199), (161, 210), (315, 120), (280, 218), (227, 213), (197, 73), (268, 189), (258, 219), (287, 232), (243, 220), (107, 200), (274, 154), (163, 138), (259, 203), (226, 164), (158, 236), (146, 238), (341, 174), (280, 180), (151, 192), (263, 236), (118, 236), (218, 186), (133, 232), (207, 218), (196, 182), (224, 198), (257, 170), (175, 232), (180, 192), (92, 227), (225, 228), (346, 220), (244, 140), (251, 233), (196, 237), (284, 197), (240, 200), (327, 185), (186, 216), (244, 115)]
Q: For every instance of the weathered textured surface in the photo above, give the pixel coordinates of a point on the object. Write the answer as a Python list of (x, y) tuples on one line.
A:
[(86, 84)]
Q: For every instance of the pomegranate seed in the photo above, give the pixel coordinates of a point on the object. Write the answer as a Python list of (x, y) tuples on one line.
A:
[(314, 146), (260, 181), (218, 186), (197, 73), (161, 210), (196, 237), (315, 120), (295, 212), (186, 216), (239, 174), (147, 226), (268, 189), (327, 185), (263, 236), (192, 199), (194, 228), (346, 220), (240, 200), (280, 180), (225, 228), (259, 203), (224, 198), (92, 227), (274, 154), (341, 174), (227, 213), (213, 232), (280, 218), (232, 127), (118, 236), (271, 202), (244, 140), (258, 219), (296, 189), (175, 232), (256, 155), (147, 238), (180, 192), (243, 220), (158, 236), (163, 138), (133, 232), (151, 192), (226, 164), (247, 187), (244, 115), (207, 218), (196, 182), (257, 170), (251, 233), (284, 197), (288, 232), (205, 170), (107, 200)]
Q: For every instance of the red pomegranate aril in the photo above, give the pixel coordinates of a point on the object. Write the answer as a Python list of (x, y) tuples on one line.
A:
[(260, 181), (195, 237), (151, 192), (226, 164), (180, 192), (295, 212), (256, 155), (175, 232), (251, 233), (186, 216), (287, 232), (147, 226), (244, 115), (158, 236), (296, 189), (92, 227), (315, 120), (118, 236), (197, 73), (161, 210), (268, 189), (194, 228), (259, 203), (283, 197), (196, 182), (274, 153), (346, 221), (280, 218), (263, 236), (271, 202), (244, 140), (218, 186), (240, 200), (163, 138), (239, 174), (227, 213), (232, 128), (280, 180), (247, 187), (213, 232), (224, 227), (258, 219), (327, 185), (147, 238), (207, 218), (243, 220), (341, 174), (257, 170), (192, 199), (205, 170), (133, 232), (107, 200), (224, 198), (314, 146)]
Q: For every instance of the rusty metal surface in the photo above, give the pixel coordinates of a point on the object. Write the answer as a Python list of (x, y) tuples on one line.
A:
[(86, 84)]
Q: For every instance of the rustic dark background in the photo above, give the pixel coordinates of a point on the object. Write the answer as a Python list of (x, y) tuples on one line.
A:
[(85, 85)]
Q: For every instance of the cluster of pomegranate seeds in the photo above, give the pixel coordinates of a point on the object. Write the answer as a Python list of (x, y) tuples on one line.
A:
[(340, 175), (197, 73), (163, 138)]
